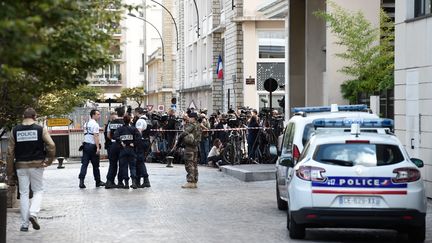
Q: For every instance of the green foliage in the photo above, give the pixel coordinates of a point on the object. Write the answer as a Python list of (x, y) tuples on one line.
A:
[(63, 101), (134, 94), (369, 51), (49, 46)]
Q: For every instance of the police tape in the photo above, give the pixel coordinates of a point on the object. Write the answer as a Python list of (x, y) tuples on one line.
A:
[(215, 130)]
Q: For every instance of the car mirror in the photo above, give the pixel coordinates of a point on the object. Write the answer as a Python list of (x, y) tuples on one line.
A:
[(418, 162), (287, 162)]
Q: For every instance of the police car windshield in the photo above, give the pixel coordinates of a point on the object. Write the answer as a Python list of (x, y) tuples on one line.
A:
[(358, 154)]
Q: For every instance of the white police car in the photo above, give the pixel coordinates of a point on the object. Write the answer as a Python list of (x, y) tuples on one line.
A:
[(361, 180), (298, 131)]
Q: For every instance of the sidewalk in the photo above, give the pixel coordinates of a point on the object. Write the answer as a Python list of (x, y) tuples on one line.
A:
[(251, 172)]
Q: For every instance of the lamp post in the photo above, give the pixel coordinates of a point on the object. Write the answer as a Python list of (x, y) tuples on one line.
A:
[(174, 22), (160, 36)]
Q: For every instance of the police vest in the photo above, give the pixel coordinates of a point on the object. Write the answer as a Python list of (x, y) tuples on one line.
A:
[(126, 135), (114, 125), (28, 143)]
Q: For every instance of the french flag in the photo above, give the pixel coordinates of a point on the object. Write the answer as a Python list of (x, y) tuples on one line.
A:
[(219, 68)]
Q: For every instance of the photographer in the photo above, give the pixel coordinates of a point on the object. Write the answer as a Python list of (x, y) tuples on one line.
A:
[(204, 145), (222, 135), (170, 125), (252, 136)]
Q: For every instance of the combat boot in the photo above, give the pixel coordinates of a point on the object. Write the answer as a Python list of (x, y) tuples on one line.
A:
[(134, 184), (100, 183), (120, 184), (126, 185), (81, 184), (188, 185), (109, 185), (146, 182)]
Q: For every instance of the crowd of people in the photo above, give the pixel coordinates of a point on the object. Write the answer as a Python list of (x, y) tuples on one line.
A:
[(131, 139), (134, 138)]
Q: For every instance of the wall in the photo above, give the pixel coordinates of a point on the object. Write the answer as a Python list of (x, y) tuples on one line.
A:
[(413, 85), (315, 53)]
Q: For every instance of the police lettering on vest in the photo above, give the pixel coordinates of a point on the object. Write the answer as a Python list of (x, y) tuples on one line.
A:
[(28, 142), (114, 125)]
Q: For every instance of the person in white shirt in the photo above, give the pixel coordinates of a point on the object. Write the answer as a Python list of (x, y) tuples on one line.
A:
[(91, 150), (214, 157)]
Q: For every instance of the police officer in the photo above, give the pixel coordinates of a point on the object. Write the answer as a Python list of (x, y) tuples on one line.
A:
[(32, 148), (108, 142), (114, 151), (91, 150), (142, 148), (128, 137), (191, 138)]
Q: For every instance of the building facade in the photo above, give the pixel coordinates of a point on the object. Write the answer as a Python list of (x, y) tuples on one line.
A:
[(135, 40), (314, 77), (413, 81)]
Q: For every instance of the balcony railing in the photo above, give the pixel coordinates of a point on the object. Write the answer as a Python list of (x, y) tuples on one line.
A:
[(106, 80)]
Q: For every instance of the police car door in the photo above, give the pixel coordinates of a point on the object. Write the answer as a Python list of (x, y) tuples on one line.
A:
[(284, 166)]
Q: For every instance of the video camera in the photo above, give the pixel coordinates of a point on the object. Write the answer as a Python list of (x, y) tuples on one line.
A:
[(265, 112)]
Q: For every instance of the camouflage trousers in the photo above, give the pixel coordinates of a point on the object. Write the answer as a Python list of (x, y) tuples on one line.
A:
[(191, 164)]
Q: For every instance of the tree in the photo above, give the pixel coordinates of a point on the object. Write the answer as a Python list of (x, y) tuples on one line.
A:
[(369, 51), (134, 94), (63, 101), (49, 46)]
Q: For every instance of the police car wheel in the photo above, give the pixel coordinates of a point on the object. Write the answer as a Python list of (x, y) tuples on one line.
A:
[(282, 205), (296, 231)]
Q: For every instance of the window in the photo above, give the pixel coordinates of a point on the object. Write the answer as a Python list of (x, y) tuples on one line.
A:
[(264, 100), (142, 63), (422, 7), (288, 139), (358, 154), (271, 44)]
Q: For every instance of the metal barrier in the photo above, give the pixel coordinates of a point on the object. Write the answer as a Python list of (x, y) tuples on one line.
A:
[(76, 139)]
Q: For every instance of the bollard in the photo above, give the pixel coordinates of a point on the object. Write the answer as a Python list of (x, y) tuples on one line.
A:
[(60, 162), (169, 161), (3, 211)]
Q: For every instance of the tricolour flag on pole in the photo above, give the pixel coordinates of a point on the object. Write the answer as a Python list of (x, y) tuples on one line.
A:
[(219, 68)]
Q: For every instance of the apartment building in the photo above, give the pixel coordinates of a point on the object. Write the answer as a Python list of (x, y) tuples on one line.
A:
[(413, 81), (130, 53), (230, 30)]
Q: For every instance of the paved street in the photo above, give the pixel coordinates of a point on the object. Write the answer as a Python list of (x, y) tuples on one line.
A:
[(222, 209)]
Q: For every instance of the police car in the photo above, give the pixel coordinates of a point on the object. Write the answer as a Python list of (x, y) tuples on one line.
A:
[(355, 179), (298, 131)]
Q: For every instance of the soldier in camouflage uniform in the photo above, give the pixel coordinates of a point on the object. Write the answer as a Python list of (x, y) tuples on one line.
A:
[(191, 138)]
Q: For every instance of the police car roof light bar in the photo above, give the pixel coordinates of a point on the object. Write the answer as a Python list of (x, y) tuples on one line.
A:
[(364, 123), (312, 109)]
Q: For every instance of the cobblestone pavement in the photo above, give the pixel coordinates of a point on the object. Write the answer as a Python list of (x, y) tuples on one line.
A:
[(222, 209)]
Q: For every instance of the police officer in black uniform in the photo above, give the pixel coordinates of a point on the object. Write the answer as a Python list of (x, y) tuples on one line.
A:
[(128, 137), (143, 147), (114, 149)]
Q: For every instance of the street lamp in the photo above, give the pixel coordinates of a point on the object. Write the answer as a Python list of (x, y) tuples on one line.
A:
[(175, 24), (160, 36)]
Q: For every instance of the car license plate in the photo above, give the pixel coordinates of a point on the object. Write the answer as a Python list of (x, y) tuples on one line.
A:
[(355, 201)]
